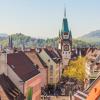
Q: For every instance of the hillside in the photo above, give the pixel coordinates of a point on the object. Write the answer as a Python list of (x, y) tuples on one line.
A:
[(3, 35), (92, 37), (20, 39)]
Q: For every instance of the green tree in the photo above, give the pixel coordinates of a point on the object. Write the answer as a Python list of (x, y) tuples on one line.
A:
[(30, 92)]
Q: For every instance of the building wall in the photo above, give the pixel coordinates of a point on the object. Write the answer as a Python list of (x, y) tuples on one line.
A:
[(3, 96), (35, 84), (3, 64), (53, 72), (95, 92), (43, 71), (15, 79), (44, 76)]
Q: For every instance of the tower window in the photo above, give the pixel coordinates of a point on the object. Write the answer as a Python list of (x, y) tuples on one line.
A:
[(65, 33)]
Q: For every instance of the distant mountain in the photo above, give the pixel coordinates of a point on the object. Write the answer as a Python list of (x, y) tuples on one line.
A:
[(92, 37), (3, 35), (20, 40)]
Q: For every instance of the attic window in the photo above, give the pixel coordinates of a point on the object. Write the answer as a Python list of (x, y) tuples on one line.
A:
[(36, 66), (97, 63), (95, 55), (95, 89), (48, 60), (92, 61)]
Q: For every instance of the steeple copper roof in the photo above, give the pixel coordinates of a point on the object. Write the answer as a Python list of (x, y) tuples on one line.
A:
[(65, 27)]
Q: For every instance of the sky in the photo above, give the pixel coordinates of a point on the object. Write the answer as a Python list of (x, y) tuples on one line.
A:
[(43, 18)]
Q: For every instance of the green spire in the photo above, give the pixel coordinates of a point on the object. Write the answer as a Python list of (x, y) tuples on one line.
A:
[(65, 23)]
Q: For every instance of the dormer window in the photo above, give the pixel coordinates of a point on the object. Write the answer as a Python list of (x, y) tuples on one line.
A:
[(48, 60)]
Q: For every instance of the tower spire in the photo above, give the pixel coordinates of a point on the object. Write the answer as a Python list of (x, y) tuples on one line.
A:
[(10, 44), (65, 12)]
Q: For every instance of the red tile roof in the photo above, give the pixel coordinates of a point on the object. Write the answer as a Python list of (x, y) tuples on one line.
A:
[(22, 65), (52, 55)]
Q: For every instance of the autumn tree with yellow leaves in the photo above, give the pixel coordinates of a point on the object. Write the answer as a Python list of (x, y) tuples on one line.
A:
[(76, 69)]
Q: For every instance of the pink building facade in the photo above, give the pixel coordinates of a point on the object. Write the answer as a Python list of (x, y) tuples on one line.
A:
[(42, 67), (24, 75), (35, 84)]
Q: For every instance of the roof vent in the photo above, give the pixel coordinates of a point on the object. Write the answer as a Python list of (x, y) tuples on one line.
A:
[(13, 66), (37, 50)]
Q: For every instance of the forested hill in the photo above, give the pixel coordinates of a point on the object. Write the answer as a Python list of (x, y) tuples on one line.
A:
[(20, 39), (92, 37)]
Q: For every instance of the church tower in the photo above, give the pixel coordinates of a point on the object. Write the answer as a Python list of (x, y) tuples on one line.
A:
[(66, 41), (10, 44)]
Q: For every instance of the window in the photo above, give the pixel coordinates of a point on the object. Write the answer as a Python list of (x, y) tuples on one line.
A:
[(51, 70), (48, 60), (65, 33), (51, 67), (51, 80)]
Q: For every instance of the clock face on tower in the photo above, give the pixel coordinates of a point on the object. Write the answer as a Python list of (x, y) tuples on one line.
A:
[(66, 47)]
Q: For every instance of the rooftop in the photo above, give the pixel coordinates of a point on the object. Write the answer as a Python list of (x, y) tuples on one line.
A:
[(52, 55), (10, 89), (22, 65)]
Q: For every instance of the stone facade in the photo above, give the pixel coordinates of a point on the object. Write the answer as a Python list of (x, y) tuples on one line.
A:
[(53, 68)]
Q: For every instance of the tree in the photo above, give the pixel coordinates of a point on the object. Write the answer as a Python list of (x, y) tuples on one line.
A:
[(30, 93), (76, 69)]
